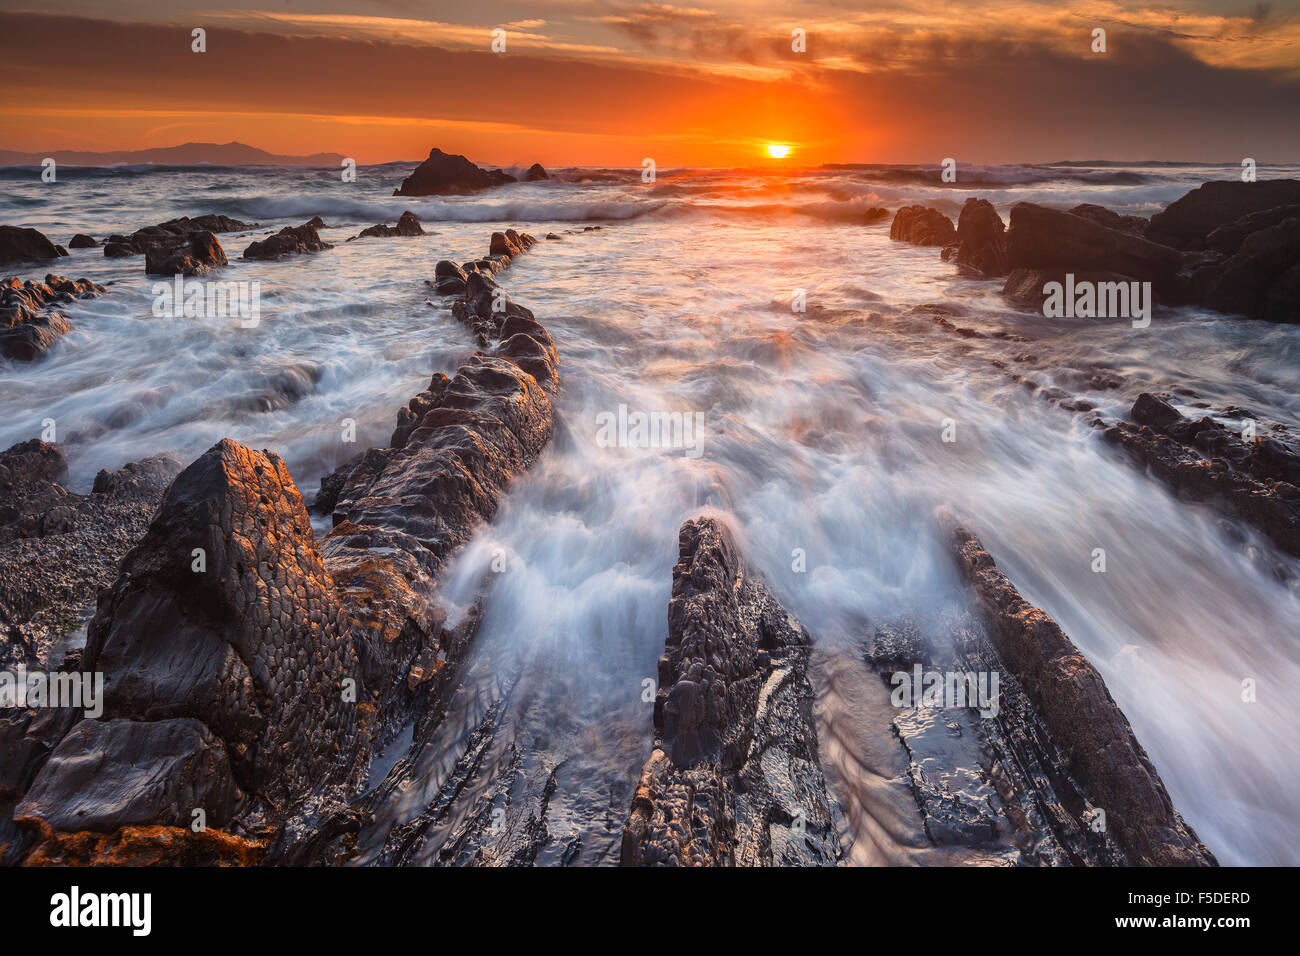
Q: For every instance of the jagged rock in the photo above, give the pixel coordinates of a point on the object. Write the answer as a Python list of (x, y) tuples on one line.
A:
[(291, 240), (1261, 280), (1042, 238), (445, 174), (21, 245), (1203, 461), (536, 172), (735, 777), (981, 238), (1187, 222), (407, 225), (1086, 725), (170, 234), (198, 255), (922, 226), (1226, 240), (28, 327), (1133, 225), (82, 241)]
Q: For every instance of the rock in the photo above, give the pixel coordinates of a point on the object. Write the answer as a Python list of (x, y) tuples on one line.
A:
[(1149, 410), (28, 326), (1227, 239), (922, 226), (291, 240), (1025, 286), (445, 174), (1086, 725), (82, 241), (20, 245), (1133, 225), (1262, 279), (535, 172), (449, 278), (874, 214), (170, 234), (734, 778), (1042, 238), (981, 238), (407, 225), (1187, 222), (501, 246), (165, 769), (199, 254)]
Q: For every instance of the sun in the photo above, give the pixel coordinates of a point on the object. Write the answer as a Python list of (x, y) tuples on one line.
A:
[(778, 150)]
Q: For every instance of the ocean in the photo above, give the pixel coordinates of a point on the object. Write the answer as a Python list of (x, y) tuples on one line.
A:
[(821, 434)]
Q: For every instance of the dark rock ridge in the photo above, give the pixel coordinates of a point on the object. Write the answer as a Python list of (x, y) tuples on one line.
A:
[(28, 326), (1133, 225), (444, 174), (922, 226), (254, 687), (535, 173), (291, 240), (1025, 286), (735, 778), (1086, 725), (23, 245), (82, 241), (407, 225), (1188, 222), (170, 234), (199, 254), (1042, 238), (1204, 461)]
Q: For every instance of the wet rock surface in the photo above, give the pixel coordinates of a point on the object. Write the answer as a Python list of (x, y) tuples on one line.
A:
[(1100, 751), (1204, 461), (981, 239), (291, 240), (170, 234), (1134, 225), (922, 226), (28, 323), (734, 778), (23, 245), (1188, 222), (408, 224), (199, 254), (1042, 238)]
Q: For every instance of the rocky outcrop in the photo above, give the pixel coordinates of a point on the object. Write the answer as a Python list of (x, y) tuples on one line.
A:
[(407, 225), (1203, 461), (291, 240), (82, 241), (170, 234), (1093, 735), (1026, 286), (28, 324), (1261, 280), (24, 245), (981, 239), (1188, 222), (535, 173), (444, 174), (199, 254), (922, 226), (1042, 238), (734, 778), (1227, 240), (1133, 225)]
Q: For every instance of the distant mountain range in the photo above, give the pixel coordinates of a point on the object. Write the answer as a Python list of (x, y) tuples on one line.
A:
[(187, 154)]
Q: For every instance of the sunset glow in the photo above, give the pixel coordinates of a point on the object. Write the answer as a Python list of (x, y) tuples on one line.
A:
[(778, 150)]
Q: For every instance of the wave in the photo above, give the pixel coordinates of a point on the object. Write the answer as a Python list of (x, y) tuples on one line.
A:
[(432, 209), (995, 176)]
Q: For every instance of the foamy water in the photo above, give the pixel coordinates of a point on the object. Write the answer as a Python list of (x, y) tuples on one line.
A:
[(823, 433)]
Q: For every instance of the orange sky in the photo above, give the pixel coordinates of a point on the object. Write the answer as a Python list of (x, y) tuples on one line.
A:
[(610, 83)]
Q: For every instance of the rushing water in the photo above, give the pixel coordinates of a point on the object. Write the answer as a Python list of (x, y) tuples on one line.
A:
[(822, 433)]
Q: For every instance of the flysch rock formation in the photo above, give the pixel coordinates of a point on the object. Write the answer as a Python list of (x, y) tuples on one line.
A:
[(734, 778), (250, 670), (28, 323)]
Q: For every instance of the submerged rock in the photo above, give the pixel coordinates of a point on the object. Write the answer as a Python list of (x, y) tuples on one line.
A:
[(22, 245), (445, 174), (535, 173), (82, 241), (170, 234), (922, 226), (734, 778)]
